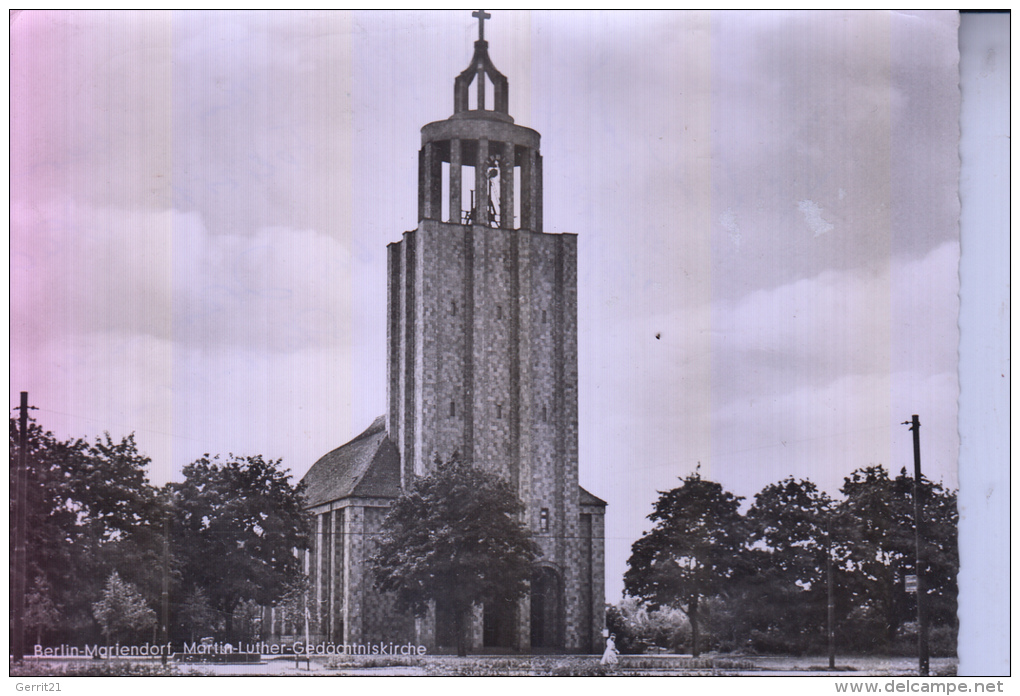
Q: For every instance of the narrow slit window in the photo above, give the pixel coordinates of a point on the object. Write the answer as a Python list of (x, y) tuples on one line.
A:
[(453, 409), (444, 196), (499, 410), (545, 414), (453, 308), (518, 194), (499, 311), (544, 316), (543, 520)]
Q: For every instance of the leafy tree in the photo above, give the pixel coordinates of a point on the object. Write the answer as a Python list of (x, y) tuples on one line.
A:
[(455, 538), (41, 615), (785, 600), (238, 524), (52, 535), (122, 612), (637, 628), (879, 516), (694, 551), (109, 489), (195, 615), (84, 502), (879, 527), (940, 551)]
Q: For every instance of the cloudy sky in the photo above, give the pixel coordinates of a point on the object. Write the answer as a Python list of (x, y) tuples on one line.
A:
[(765, 206)]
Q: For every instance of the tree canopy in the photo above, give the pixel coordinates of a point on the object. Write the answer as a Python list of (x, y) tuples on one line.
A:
[(878, 525), (692, 552), (455, 538), (238, 523), (90, 511), (122, 612), (759, 580), (789, 539), (93, 517)]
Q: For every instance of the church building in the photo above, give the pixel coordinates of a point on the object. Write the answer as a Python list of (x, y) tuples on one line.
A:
[(482, 363)]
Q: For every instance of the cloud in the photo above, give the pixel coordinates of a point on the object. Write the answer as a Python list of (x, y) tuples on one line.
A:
[(278, 290), (142, 321), (837, 112), (261, 120), (787, 377), (87, 270), (184, 401), (812, 378), (809, 379), (728, 220), (813, 216)]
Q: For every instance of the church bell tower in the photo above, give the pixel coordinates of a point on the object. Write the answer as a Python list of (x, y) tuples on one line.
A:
[(482, 350)]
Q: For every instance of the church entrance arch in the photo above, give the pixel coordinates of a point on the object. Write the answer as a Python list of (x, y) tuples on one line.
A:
[(546, 608)]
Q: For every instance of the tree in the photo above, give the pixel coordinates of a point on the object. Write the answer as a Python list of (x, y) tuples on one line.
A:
[(239, 522), (638, 628), (879, 513), (789, 532), (694, 550), (90, 510), (52, 534), (122, 612), (879, 527), (41, 615), (110, 491), (940, 550), (195, 615), (455, 538)]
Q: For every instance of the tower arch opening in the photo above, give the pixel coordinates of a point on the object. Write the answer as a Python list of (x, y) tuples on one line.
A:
[(546, 609)]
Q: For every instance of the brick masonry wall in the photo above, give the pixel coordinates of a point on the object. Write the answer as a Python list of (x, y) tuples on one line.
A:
[(381, 621), (482, 339), (598, 578)]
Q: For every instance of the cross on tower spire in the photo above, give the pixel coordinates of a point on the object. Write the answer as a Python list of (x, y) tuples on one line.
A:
[(482, 15)]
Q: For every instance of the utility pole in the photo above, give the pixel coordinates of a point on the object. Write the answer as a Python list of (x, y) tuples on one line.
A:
[(919, 567), (21, 497), (832, 599), (165, 649)]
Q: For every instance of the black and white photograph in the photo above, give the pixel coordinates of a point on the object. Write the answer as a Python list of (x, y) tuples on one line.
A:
[(488, 343)]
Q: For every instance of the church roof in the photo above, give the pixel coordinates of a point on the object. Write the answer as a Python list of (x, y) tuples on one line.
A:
[(366, 467), (587, 498), (369, 467)]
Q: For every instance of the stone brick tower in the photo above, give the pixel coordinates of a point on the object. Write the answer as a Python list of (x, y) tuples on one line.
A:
[(482, 347), (482, 363)]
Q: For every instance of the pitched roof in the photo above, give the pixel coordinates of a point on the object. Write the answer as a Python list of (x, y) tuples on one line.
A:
[(587, 498), (366, 467)]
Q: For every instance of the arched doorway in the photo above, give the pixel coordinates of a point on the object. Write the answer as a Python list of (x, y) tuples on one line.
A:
[(546, 608)]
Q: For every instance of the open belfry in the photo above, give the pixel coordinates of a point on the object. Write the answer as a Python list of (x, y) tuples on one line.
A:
[(481, 364)]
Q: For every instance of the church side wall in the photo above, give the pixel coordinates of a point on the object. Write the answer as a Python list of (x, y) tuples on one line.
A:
[(598, 575), (381, 623), (348, 607), (583, 542), (591, 551)]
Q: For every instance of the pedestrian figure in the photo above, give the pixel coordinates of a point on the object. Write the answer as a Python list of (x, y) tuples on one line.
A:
[(609, 656)]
